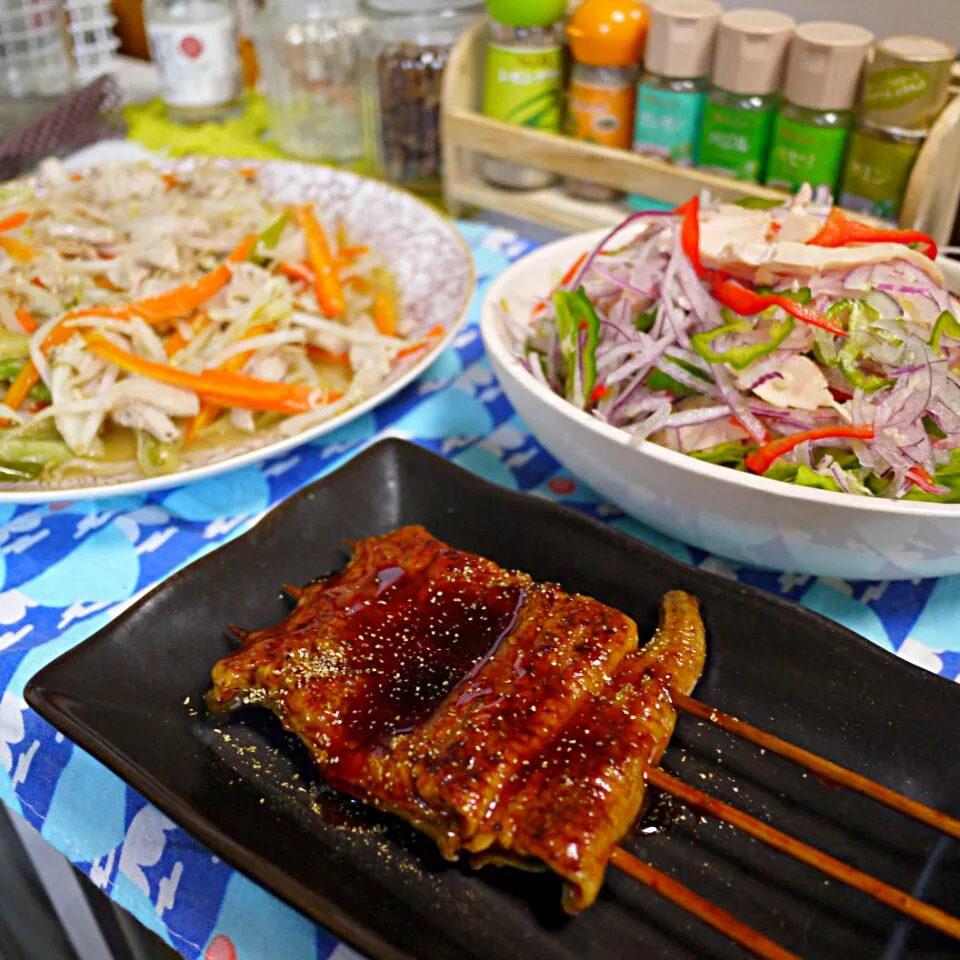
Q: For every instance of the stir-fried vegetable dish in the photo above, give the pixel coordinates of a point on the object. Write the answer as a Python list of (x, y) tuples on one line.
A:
[(148, 318), (792, 342)]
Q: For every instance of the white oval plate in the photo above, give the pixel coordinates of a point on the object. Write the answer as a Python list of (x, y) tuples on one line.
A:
[(434, 271)]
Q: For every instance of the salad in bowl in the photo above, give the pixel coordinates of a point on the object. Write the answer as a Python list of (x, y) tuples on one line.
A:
[(792, 342)]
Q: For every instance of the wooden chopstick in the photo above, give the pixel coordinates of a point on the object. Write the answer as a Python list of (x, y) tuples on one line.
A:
[(891, 896), (748, 938), (823, 768)]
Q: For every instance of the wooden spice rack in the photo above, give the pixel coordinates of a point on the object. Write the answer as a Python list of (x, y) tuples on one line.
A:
[(930, 203)]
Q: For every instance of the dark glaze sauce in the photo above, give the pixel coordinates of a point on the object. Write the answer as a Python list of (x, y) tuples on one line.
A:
[(413, 638)]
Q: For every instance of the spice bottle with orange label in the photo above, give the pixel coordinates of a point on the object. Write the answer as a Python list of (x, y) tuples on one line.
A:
[(606, 42)]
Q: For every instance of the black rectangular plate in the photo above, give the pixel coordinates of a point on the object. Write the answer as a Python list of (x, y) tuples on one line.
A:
[(376, 883)]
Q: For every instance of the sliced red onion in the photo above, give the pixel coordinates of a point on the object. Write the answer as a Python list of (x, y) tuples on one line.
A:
[(686, 378), (766, 378), (623, 282), (653, 423), (633, 218), (649, 356), (698, 415), (750, 423)]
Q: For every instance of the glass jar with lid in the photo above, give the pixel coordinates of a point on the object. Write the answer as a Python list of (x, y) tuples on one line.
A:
[(408, 47), (310, 57), (194, 46)]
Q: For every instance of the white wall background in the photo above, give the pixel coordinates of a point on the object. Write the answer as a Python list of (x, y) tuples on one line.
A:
[(933, 18)]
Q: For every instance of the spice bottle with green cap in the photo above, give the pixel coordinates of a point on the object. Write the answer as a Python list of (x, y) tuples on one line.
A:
[(815, 118), (742, 103), (523, 79), (904, 90), (606, 41), (673, 88)]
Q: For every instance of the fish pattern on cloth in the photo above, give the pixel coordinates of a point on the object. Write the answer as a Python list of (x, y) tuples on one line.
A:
[(68, 568)]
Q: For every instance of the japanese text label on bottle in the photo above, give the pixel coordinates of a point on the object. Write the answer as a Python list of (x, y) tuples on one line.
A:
[(805, 154), (601, 113), (668, 124), (877, 174), (522, 85), (734, 142), (197, 63)]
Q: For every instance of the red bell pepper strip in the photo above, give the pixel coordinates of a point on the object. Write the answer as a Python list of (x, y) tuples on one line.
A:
[(839, 230), (763, 458), (748, 303), (690, 233)]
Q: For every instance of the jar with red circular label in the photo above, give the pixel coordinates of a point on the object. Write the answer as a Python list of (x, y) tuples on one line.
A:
[(194, 46)]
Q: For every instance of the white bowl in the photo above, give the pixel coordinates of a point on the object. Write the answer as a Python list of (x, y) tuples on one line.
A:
[(747, 518)]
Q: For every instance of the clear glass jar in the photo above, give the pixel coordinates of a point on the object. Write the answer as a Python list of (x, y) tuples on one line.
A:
[(309, 53), (545, 40), (194, 46), (409, 43)]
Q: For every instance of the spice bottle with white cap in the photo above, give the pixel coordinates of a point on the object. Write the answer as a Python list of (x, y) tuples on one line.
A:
[(815, 118), (673, 88), (742, 103), (904, 90)]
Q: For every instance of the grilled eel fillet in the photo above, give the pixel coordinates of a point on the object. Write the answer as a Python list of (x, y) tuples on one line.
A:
[(505, 718)]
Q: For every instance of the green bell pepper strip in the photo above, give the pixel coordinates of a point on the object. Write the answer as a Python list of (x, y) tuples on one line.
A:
[(740, 357), (575, 312), (12, 471), (724, 454), (947, 325), (657, 380), (154, 456), (270, 237), (644, 321), (859, 318), (10, 367)]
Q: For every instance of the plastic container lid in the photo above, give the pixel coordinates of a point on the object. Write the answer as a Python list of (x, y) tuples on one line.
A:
[(906, 84), (527, 13), (825, 62), (750, 51), (681, 38), (608, 33)]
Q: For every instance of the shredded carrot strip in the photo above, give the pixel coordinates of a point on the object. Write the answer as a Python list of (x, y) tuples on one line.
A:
[(351, 253), (105, 283), (175, 303), (209, 411), (326, 283), (17, 249), (341, 232), (296, 271), (170, 179), (29, 376), (14, 220), (249, 172), (26, 320), (226, 389), (432, 334), (384, 313), (320, 355)]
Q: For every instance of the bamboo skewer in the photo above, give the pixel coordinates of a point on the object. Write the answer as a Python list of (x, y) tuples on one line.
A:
[(823, 768), (891, 896), (703, 909)]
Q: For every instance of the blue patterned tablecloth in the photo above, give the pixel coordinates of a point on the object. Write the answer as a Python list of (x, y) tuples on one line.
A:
[(67, 569)]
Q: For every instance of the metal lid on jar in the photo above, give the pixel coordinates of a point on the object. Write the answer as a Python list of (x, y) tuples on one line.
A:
[(906, 84), (750, 51), (680, 43), (824, 65)]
